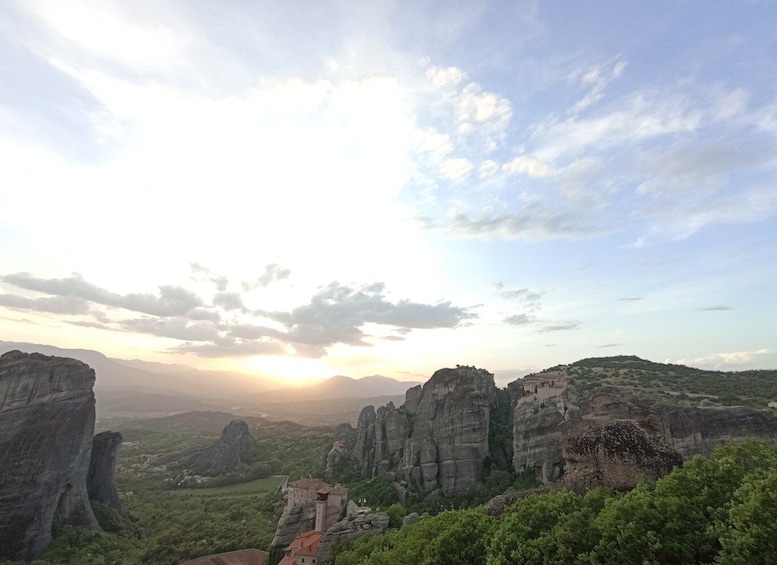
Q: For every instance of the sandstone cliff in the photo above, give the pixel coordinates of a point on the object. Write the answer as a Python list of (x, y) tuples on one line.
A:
[(46, 426), (559, 405), (102, 469), (437, 439)]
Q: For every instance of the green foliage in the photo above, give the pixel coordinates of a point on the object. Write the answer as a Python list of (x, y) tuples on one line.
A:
[(500, 434), (720, 509), (396, 512), (751, 536), (376, 493), (549, 528), (749, 388), (109, 519), (450, 538)]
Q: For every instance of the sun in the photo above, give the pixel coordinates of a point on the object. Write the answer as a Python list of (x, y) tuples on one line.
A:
[(294, 370)]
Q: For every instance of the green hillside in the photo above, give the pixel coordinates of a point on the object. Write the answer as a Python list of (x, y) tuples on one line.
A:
[(746, 388)]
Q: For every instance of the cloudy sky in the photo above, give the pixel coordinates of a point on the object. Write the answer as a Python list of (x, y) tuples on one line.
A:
[(314, 188)]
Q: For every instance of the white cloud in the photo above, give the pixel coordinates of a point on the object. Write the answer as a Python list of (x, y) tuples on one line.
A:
[(455, 169), (488, 168), (597, 77), (445, 77), (722, 361), (486, 112), (115, 31), (527, 165)]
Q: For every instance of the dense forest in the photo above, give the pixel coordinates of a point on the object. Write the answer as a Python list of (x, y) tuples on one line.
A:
[(721, 509)]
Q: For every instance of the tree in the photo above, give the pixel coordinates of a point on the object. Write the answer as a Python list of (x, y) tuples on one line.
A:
[(751, 536)]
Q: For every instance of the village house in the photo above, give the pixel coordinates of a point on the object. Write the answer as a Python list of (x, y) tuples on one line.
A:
[(303, 550)]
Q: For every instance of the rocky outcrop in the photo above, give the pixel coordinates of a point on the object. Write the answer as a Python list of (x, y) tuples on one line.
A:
[(548, 420), (616, 455), (349, 530), (438, 439), (227, 451), (294, 520), (102, 469), (46, 425), (222, 455)]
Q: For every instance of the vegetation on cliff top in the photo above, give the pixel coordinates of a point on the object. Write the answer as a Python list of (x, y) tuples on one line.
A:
[(744, 388)]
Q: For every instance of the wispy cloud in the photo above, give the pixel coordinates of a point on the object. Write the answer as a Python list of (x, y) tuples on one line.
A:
[(723, 360), (572, 325), (718, 308), (171, 300), (53, 304), (519, 319)]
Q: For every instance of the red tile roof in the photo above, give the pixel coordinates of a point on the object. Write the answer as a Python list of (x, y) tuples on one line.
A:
[(305, 543)]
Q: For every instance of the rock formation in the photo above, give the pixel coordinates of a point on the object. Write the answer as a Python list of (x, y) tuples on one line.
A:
[(295, 519), (46, 426), (438, 439), (102, 468), (554, 411), (615, 455), (223, 454), (351, 530)]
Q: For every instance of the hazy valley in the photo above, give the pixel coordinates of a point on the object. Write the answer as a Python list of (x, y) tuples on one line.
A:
[(455, 442)]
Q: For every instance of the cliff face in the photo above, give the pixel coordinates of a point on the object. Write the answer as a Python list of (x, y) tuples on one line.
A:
[(545, 420), (102, 469), (438, 439), (46, 426)]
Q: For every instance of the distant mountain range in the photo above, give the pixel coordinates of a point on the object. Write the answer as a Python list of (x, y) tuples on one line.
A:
[(341, 387), (159, 387)]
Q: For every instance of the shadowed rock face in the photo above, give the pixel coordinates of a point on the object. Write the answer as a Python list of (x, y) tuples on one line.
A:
[(438, 439), (102, 468), (226, 452), (616, 455), (542, 428), (46, 426), (223, 454)]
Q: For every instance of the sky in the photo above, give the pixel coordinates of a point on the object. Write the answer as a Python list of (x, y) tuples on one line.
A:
[(304, 189)]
